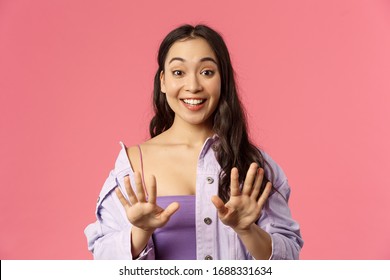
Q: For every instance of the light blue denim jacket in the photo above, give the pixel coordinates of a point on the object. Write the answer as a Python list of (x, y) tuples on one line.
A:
[(109, 237)]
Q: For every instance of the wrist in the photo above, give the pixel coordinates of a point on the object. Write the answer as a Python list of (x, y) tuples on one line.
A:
[(247, 230), (139, 240), (141, 231)]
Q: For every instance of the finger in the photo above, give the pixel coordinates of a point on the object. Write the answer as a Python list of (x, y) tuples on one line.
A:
[(264, 196), (121, 198), (132, 198), (152, 191), (170, 210), (218, 203), (258, 182), (249, 179), (234, 184), (139, 188)]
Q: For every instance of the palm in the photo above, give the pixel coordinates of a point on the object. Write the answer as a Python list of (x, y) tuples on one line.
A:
[(146, 215), (241, 212), (244, 207), (141, 212)]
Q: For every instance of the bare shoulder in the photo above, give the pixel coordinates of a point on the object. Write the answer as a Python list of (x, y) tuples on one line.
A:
[(144, 149), (134, 157)]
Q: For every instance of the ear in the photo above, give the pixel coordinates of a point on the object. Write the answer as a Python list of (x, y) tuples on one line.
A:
[(162, 81)]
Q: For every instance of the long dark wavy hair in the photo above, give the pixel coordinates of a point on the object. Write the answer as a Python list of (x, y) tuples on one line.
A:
[(229, 120)]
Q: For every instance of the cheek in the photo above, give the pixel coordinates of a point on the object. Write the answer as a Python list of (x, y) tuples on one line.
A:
[(215, 88), (173, 85)]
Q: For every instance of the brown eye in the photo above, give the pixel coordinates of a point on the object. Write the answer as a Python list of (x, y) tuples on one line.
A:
[(207, 72), (177, 73)]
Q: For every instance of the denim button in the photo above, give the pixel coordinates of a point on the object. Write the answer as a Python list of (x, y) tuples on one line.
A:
[(207, 221), (208, 257), (210, 180)]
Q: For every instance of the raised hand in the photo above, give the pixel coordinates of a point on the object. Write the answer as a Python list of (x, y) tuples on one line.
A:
[(142, 212), (243, 208)]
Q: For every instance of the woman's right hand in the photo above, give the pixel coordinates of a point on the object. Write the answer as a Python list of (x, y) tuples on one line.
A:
[(142, 212)]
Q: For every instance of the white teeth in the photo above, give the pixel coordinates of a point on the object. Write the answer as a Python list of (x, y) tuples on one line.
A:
[(193, 101)]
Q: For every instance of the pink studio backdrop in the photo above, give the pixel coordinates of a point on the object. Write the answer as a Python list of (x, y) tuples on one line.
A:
[(76, 78)]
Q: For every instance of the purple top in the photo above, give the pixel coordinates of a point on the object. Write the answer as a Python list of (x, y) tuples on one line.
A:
[(177, 240)]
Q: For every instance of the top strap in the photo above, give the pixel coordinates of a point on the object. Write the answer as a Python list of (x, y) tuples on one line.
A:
[(142, 170)]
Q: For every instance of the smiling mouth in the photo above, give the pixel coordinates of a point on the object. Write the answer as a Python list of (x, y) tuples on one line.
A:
[(194, 102)]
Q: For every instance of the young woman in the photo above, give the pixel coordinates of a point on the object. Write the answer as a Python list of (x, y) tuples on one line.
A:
[(198, 189)]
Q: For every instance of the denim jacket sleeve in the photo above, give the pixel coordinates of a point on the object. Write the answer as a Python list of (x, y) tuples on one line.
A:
[(109, 236), (276, 218)]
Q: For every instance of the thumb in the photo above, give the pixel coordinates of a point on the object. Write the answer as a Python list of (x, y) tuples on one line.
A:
[(218, 203), (170, 210)]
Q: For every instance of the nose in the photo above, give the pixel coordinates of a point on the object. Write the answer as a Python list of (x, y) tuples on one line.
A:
[(193, 84)]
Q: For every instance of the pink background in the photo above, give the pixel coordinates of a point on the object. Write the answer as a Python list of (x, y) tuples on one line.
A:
[(76, 78)]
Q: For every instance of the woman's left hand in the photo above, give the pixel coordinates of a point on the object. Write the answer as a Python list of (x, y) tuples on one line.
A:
[(243, 208)]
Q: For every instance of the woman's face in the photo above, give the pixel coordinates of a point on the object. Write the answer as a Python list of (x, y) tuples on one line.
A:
[(191, 81)]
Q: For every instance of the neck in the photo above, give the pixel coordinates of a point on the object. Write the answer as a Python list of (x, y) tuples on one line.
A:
[(190, 134)]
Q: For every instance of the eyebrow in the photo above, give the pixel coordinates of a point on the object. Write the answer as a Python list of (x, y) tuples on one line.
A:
[(207, 58)]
